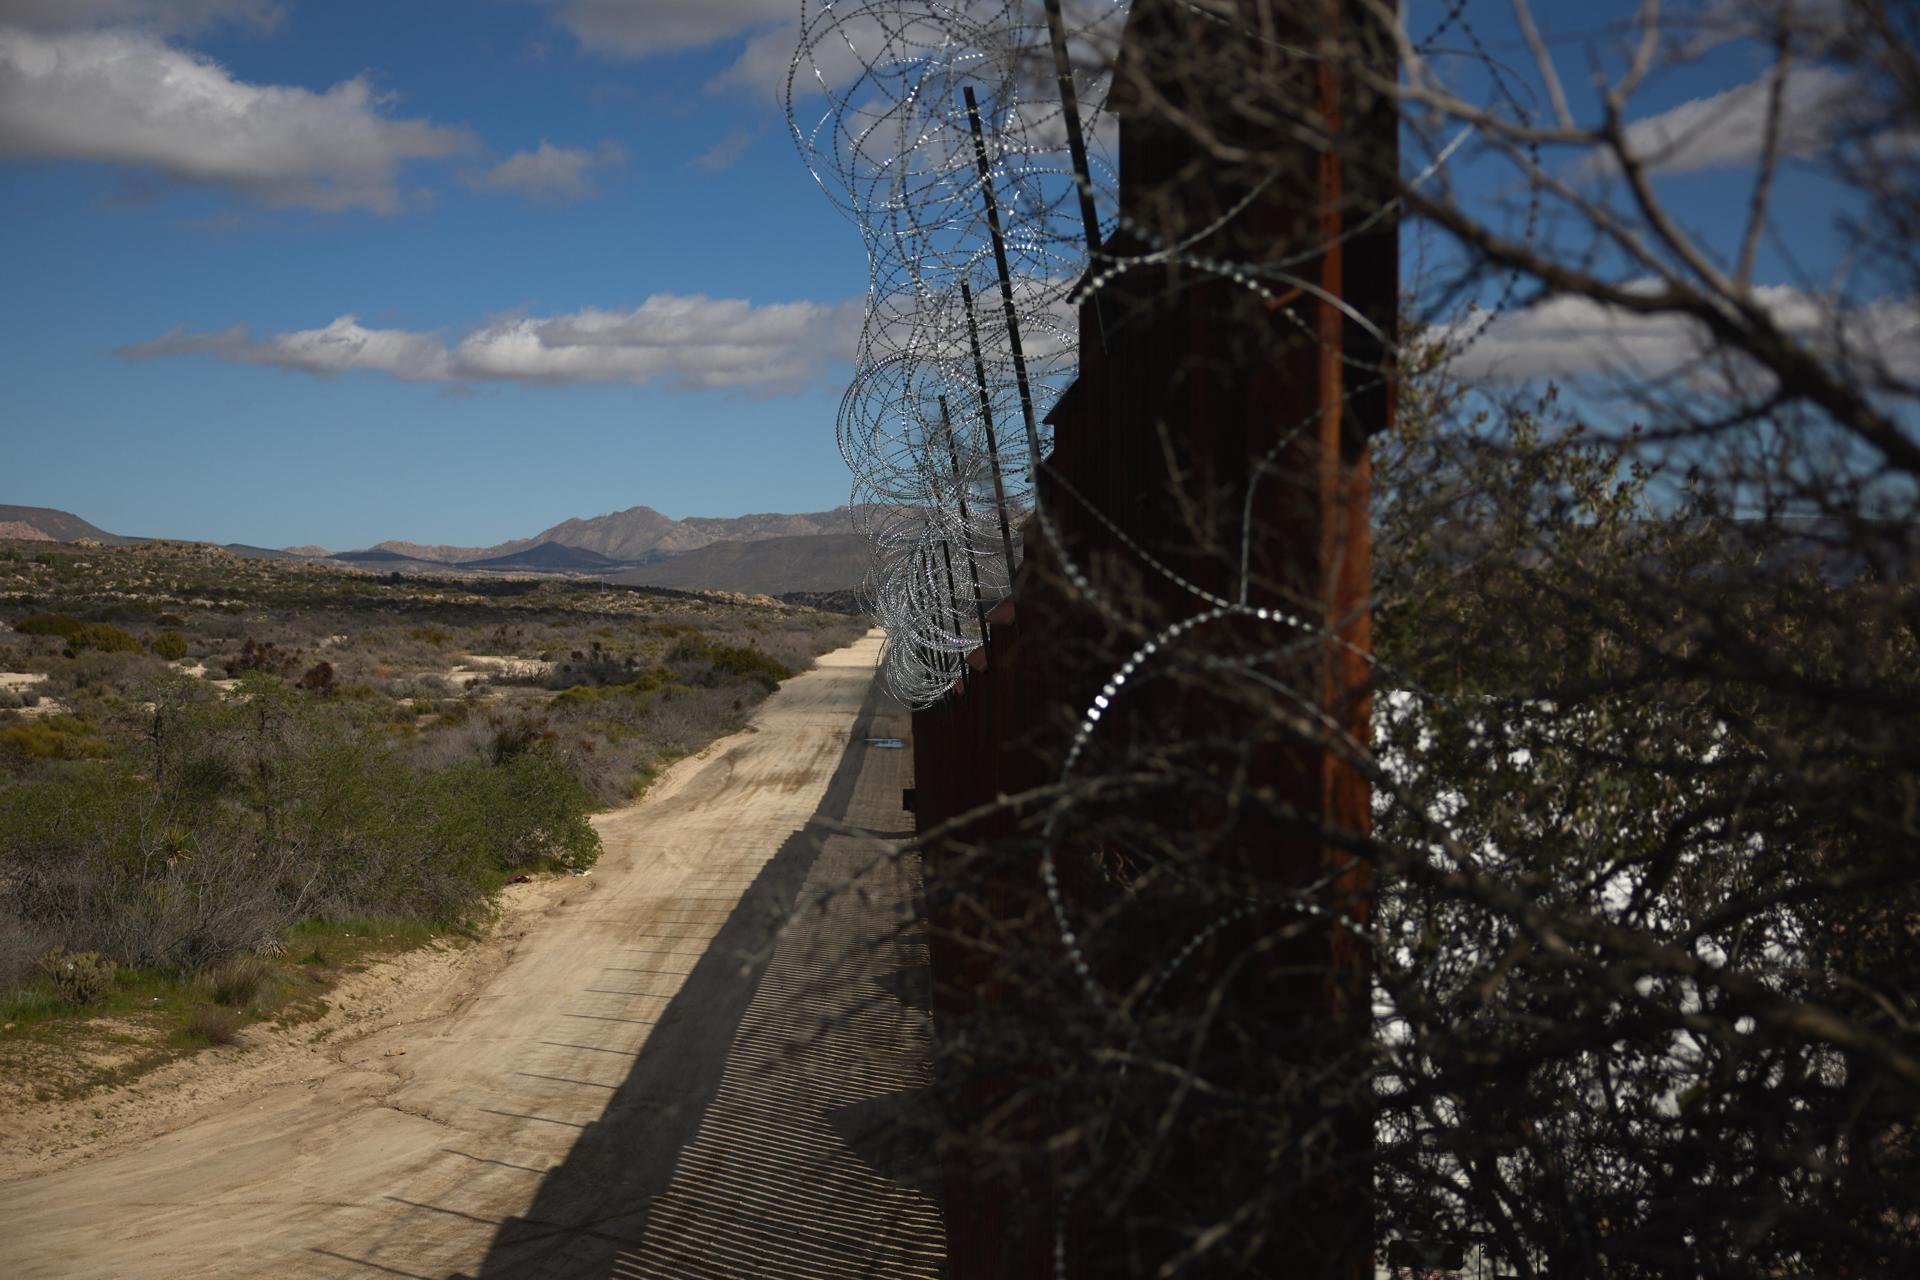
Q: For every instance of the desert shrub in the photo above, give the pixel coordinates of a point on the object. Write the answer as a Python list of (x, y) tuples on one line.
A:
[(237, 980), (526, 810), (516, 733), (97, 672), (55, 738), (423, 687), (213, 1025), (505, 640), (646, 683), (107, 862), (170, 645), (263, 656), (429, 635), (714, 664), (48, 624), (126, 611), (81, 977), (268, 820), (21, 946), (455, 712), (319, 678), (596, 665), (104, 637)]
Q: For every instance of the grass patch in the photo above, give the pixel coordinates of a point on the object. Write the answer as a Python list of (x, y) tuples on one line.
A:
[(32, 1002), (238, 981), (211, 1025), (344, 943), (152, 1017)]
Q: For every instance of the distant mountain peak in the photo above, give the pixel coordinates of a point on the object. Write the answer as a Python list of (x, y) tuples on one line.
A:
[(60, 526), (763, 551), (444, 554)]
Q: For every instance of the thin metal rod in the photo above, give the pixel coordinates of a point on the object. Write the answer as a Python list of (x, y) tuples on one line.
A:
[(953, 592), (1076, 141), (1077, 149), (928, 654), (986, 420), (960, 492), (1006, 284)]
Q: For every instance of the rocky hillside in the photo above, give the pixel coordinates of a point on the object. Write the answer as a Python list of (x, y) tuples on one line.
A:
[(764, 554), (765, 566), (640, 535), (59, 526)]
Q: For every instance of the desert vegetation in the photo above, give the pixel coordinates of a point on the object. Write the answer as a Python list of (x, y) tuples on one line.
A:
[(205, 759)]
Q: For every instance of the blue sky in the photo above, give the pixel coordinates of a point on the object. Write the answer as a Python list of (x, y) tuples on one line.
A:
[(100, 256), (326, 271)]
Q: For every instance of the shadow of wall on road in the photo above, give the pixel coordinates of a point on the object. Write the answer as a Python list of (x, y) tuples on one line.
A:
[(815, 1160)]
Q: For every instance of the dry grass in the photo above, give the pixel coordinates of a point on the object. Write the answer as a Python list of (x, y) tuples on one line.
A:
[(211, 1024), (236, 982)]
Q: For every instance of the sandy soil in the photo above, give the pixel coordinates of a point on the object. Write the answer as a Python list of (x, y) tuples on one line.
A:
[(25, 682), (42, 1137), (481, 666), (519, 1107)]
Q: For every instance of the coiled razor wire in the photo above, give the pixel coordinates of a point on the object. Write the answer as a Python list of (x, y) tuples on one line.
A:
[(940, 130)]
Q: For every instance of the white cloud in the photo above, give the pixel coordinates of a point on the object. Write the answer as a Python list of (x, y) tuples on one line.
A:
[(1729, 129), (1568, 337), (761, 69), (341, 346), (643, 28), (843, 43), (725, 153), (126, 97), (173, 17), (550, 173), (685, 341)]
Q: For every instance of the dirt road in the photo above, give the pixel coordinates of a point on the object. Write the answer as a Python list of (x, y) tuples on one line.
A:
[(709, 1061)]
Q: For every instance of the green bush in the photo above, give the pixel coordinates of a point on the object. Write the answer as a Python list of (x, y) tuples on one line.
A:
[(106, 638), (747, 663), (48, 624), (56, 738), (726, 661), (242, 818), (526, 810), (170, 645), (81, 977), (648, 682)]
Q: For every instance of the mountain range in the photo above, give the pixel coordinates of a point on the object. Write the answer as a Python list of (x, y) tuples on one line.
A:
[(768, 553), (640, 535), (44, 524)]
